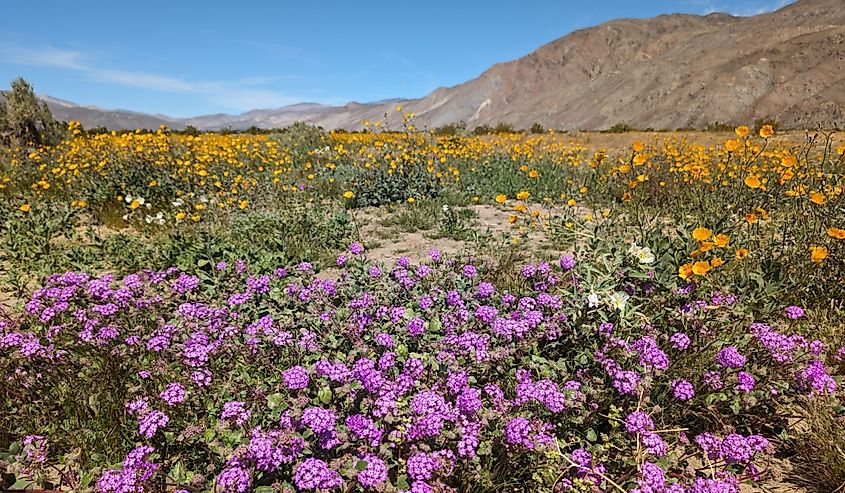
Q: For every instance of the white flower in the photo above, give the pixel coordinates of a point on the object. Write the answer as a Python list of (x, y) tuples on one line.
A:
[(643, 254), (178, 202), (593, 300), (158, 218), (618, 300), (128, 199), (445, 208)]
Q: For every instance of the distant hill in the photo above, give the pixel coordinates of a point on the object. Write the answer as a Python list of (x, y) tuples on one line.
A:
[(667, 72), (92, 117)]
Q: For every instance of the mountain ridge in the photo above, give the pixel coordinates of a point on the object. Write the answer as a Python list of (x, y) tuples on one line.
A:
[(665, 72)]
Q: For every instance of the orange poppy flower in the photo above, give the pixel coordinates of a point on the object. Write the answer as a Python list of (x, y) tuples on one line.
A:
[(817, 198), (752, 181), (700, 268), (701, 234), (818, 253)]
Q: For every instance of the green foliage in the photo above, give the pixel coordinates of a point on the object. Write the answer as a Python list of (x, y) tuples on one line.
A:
[(720, 127), (303, 136), (191, 130), (450, 129), (499, 128), (44, 241), (379, 186), (761, 122), (537, 128), (25, 121), (819, 463), (619, 128)]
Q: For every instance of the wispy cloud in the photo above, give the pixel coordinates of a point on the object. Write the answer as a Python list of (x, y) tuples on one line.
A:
[(742, 10), (749, 10), (241, 94)]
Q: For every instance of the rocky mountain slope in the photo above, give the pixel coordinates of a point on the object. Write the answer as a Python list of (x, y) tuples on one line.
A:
[(667, 72)]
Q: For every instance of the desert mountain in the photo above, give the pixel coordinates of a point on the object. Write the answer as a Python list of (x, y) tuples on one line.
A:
[(665, 72)]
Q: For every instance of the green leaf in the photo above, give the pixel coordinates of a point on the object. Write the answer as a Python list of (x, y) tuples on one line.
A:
[(591, 435), (735, 407), (361, 465), (86, 479), (402, 482), (21, 484), (275, 400), (325, 394)]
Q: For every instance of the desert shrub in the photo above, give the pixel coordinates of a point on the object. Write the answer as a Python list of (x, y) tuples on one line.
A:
[(26, 121), (503, 128), (303, 137), (190, 130), (537, 128), (720, 127), (619, 128), (819, 461), (499, 128), (379, 186), (450, 129), (482, 130), (761, 122)]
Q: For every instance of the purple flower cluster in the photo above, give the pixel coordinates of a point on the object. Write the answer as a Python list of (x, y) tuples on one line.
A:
[(173, 394), (414, 369), (150, 422), (236, 412), (730, 357), (314, 474), (683, 390), (816, 379), (374, 474), (734, 448), (679, 341), (235, 478), (531, 435), (638, 422), (295, 378), (136, 471), (651, 356), (794, 312)]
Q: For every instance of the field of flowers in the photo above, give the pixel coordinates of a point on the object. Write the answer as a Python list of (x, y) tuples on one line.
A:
[(208, 313)]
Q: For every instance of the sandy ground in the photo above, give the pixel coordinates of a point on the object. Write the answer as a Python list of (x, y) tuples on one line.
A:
[(611, 141)]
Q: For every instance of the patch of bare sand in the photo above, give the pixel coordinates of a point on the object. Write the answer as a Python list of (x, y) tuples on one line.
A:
[(415, 246)]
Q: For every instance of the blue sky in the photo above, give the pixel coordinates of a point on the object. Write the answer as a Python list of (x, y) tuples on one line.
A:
[(184, 58)]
